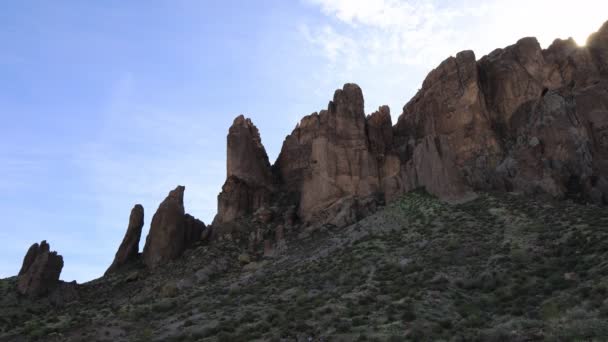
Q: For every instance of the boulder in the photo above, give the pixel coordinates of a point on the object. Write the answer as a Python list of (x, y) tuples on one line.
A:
[(129, 248), (40, 272)]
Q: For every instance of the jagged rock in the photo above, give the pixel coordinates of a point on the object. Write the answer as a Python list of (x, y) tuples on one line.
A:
[(519, 119), (327, 156), (449, 108), (171, 231), (40, 272), (380, 131), (30, 257), (247, 158), (129, 248), (249, 177), (239, 198), (193, 229)]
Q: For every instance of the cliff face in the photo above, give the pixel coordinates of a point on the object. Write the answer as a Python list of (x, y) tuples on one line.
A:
[(520, 119), (249, 183)]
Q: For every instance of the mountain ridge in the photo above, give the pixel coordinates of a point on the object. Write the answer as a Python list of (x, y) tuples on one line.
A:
[(521, 119)]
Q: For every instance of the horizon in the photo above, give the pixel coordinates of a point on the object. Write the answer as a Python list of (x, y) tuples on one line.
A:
[(107, 110)]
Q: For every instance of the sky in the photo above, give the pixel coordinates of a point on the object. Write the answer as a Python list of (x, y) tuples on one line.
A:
[(105, 104)]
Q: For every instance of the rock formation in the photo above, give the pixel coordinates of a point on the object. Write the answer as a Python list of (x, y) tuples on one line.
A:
[(249, 177), (171, 231), (39, 274), (129, 248), (520, 119)]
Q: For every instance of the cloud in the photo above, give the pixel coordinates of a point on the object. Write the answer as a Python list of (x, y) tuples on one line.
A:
[(401, 41)]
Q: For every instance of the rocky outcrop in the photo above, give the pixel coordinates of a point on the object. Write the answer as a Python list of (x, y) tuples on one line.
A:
[(30, 257), (247, 158), (327, 157), (249, 178), (40, 272), (519, 119), (171, 230), (129, 248)]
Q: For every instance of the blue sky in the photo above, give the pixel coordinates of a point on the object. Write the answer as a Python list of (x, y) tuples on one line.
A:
[(108, 104)]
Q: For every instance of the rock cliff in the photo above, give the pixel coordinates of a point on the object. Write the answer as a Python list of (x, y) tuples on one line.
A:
[(519, 119)]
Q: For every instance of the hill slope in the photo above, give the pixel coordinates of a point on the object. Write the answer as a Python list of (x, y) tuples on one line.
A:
[(499, 267)]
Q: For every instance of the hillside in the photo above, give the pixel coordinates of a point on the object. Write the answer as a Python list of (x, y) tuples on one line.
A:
[(501, 267)]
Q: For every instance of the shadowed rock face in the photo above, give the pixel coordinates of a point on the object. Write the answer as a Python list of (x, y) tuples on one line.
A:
[(521, 118), (247, 158), (171, 230), (249, 182), (194, 229), (336, 154), (129, 248), (40, 272), (30, 257)]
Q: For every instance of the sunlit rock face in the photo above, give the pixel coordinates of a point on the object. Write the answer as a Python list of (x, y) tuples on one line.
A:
[(519, 119), (332, 156)]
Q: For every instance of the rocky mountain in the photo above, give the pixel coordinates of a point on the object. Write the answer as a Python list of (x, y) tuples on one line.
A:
[(337, 234), (521, 119)]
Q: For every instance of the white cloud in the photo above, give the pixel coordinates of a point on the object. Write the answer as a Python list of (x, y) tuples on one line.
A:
[(401, 41)]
